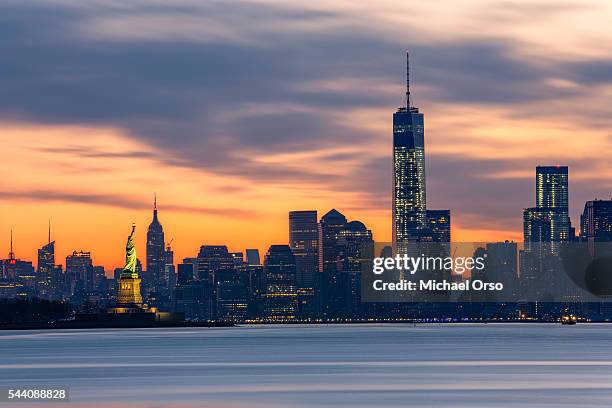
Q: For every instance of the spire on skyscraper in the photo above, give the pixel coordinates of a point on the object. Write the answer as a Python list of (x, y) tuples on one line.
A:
[(11, 253), (408, 101), (49, 236), (155, 221)]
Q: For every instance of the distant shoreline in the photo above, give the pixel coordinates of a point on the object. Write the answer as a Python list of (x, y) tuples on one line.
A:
[(155, 325), (111, 325)]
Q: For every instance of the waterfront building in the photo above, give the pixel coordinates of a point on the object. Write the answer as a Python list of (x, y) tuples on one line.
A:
[(409, 195), (281, 288), (356, 251), (304, 243), (596, 221)]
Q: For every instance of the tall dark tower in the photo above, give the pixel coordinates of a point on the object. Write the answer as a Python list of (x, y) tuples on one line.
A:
[(549, 221), (46, 266), (304, 244), (303, 241), (409, 200), (156, 255)]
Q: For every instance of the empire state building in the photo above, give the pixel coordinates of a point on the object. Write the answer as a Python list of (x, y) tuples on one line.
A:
[(156, 260)]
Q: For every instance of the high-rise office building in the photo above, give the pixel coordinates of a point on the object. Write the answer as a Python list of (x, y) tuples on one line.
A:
[(331, 292), (356, 252), (409, 196), (231, 286), (156, 255), (49, 274), (185, 273), (304, 243), (252, 257), (169, 270), (79, 271), (412, 221), (501, 264), (329, 229), (439, 223), (98, 281), (212, 258), (19, 275), (596, 221), (281, 290), (551, 187), (238, 258), (548, 221)]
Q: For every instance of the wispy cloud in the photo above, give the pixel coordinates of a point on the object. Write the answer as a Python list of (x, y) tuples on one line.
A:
[(119, 201), (234, 88)]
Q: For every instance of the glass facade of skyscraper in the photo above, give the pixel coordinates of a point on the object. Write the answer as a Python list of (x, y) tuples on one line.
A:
[(409, 197)]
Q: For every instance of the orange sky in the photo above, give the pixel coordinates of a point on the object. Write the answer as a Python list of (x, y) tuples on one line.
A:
[(94, 177)]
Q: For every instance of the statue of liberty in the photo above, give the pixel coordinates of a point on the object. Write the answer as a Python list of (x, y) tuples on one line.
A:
[(130, 256), (129, 281)]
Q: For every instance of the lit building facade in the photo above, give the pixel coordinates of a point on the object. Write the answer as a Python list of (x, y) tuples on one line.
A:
[(548, 221), (79, 271), (409, 196), (49, 275), (356, 251), (596, 221), (304, 244), (439, 223), (411, 221), (280, 299)]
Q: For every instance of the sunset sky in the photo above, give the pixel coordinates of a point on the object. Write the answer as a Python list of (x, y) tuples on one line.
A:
[(237, 112)]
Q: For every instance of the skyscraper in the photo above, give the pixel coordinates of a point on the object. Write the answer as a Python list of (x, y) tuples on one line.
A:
[(356, 250), (252, 257), (79, 271), (169, 270), (231, 286), (548, 221), (304, 242), (551, 187), (409, 196), (156, 256), (439, 223), (19, 273), (212, 258), (47, 271), (185, 273), (596, 221), (329, 229), (280, 292)]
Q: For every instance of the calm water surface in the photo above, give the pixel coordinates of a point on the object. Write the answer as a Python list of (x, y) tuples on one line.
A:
[(318, 366)]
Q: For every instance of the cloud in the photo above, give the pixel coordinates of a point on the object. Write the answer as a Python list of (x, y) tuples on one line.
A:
[(91, 152), (114, 200), (223, 87)]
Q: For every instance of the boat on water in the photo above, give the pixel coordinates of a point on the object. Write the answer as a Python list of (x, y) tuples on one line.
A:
[(569, 319)]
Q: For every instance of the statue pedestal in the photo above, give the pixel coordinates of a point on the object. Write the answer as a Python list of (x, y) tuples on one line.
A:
[(129, 292)]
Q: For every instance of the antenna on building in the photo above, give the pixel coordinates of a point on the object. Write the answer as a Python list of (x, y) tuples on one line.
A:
[(408, 101), (11, 253), (155, 201), (49, 236)]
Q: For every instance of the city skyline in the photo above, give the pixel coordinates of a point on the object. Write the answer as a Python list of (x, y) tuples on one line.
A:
[(89, 135)]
